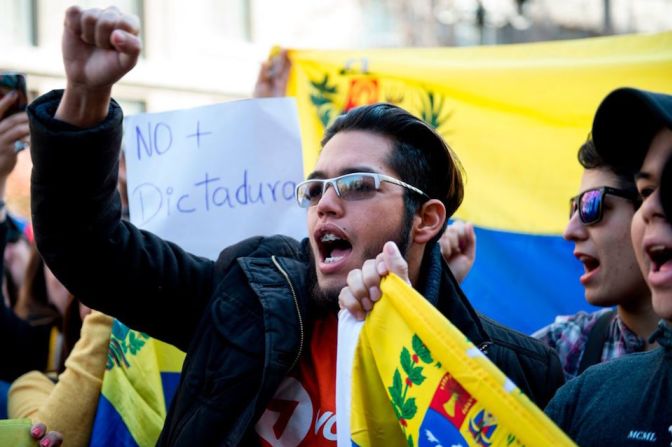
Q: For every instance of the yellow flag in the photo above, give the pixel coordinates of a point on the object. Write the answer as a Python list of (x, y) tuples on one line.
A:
[(141, 377), (416, 380), (514, 114)]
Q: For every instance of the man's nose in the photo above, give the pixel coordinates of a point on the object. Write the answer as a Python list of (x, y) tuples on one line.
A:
[(575, 229), (330, 202), (652, 207)]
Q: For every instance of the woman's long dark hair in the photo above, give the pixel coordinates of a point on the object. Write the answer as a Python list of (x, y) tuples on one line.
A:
[(72, 328), (33, 303)]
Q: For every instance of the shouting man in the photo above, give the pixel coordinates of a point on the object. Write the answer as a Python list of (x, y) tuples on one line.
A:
[(261, 320)]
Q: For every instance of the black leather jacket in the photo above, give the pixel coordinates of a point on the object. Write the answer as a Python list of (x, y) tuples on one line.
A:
[(241, 319)]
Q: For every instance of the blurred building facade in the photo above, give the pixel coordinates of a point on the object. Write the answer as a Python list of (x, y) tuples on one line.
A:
[(200, 51), (204, 51)]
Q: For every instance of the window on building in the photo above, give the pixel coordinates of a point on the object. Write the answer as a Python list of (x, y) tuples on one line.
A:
[(132, 106), (18, 22), (230, 19)]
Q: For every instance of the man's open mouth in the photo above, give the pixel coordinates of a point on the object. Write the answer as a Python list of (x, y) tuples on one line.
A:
[(333, 247), (589, 263)]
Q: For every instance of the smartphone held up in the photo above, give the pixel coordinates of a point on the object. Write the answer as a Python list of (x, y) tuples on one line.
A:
[(14, 82)]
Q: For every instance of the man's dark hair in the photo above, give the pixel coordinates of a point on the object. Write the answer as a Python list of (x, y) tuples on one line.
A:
[(590, 158), (419, 155)]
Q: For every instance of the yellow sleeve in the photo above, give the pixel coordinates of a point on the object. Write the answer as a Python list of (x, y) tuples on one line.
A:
[(69, 406), (28, 393)]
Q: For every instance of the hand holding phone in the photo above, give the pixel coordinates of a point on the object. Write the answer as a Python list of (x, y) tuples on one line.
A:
[(13, 130), (14, 82)]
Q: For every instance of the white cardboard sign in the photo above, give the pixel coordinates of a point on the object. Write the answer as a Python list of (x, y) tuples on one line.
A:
[(211, 176)]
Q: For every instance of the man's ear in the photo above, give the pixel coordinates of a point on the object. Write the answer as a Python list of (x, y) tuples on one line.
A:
[(428, 221)]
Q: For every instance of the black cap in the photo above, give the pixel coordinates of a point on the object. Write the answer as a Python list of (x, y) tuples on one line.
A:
[(625, 123)]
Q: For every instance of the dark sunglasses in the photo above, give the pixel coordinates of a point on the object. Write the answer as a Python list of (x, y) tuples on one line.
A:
[(356, 186), (590, 203)]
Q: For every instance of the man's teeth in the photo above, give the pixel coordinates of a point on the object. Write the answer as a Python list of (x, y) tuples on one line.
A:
[(332, 259), (330, 237), (657, 249)]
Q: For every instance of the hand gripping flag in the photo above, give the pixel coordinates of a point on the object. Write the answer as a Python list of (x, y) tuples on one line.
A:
[(141, 377), (408, 377)]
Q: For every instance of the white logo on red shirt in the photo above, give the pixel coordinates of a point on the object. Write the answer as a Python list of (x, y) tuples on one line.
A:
[(288, 416), (326, 421)]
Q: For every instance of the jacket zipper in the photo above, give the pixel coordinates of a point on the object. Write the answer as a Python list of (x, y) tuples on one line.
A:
[(298, 311), (483, 347)]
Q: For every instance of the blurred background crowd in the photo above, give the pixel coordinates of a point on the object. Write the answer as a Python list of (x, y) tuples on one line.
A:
[(240, 34)]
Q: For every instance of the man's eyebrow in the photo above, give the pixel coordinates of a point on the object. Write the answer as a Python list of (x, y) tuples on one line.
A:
[(351, 170), (316, 174), (358, 169)]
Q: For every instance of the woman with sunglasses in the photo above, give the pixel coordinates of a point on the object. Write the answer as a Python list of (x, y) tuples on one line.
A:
[(627, 401), (599, 227)]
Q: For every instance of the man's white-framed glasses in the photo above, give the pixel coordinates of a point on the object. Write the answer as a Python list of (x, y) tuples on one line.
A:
[(350, 187)]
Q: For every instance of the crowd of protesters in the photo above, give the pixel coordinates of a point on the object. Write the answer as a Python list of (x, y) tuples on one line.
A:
[(276, 298)]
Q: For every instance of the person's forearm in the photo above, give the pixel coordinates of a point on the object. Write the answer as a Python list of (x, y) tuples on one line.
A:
[(74, 175), (27, 395), (70, 406), (84, 107)]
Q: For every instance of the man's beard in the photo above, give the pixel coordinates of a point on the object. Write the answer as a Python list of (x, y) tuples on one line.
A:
[(325, 301)]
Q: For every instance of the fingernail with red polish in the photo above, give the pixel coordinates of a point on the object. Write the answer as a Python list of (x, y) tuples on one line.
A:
[(36, 431)]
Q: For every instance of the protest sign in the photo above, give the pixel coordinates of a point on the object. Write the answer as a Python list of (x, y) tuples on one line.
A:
[(208, 177)]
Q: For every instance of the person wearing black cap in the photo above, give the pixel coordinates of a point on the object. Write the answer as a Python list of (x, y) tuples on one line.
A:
[(628, 400), (599, 228)]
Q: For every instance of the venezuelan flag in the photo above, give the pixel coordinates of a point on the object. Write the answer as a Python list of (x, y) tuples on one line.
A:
[(141, 377), (516, 116), (408, 377)]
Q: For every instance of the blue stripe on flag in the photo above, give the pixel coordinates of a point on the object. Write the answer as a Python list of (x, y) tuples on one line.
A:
[(170, 381), (524, 281), (108, 428)]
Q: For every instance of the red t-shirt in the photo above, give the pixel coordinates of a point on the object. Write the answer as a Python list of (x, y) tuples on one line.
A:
[(303, 410)]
